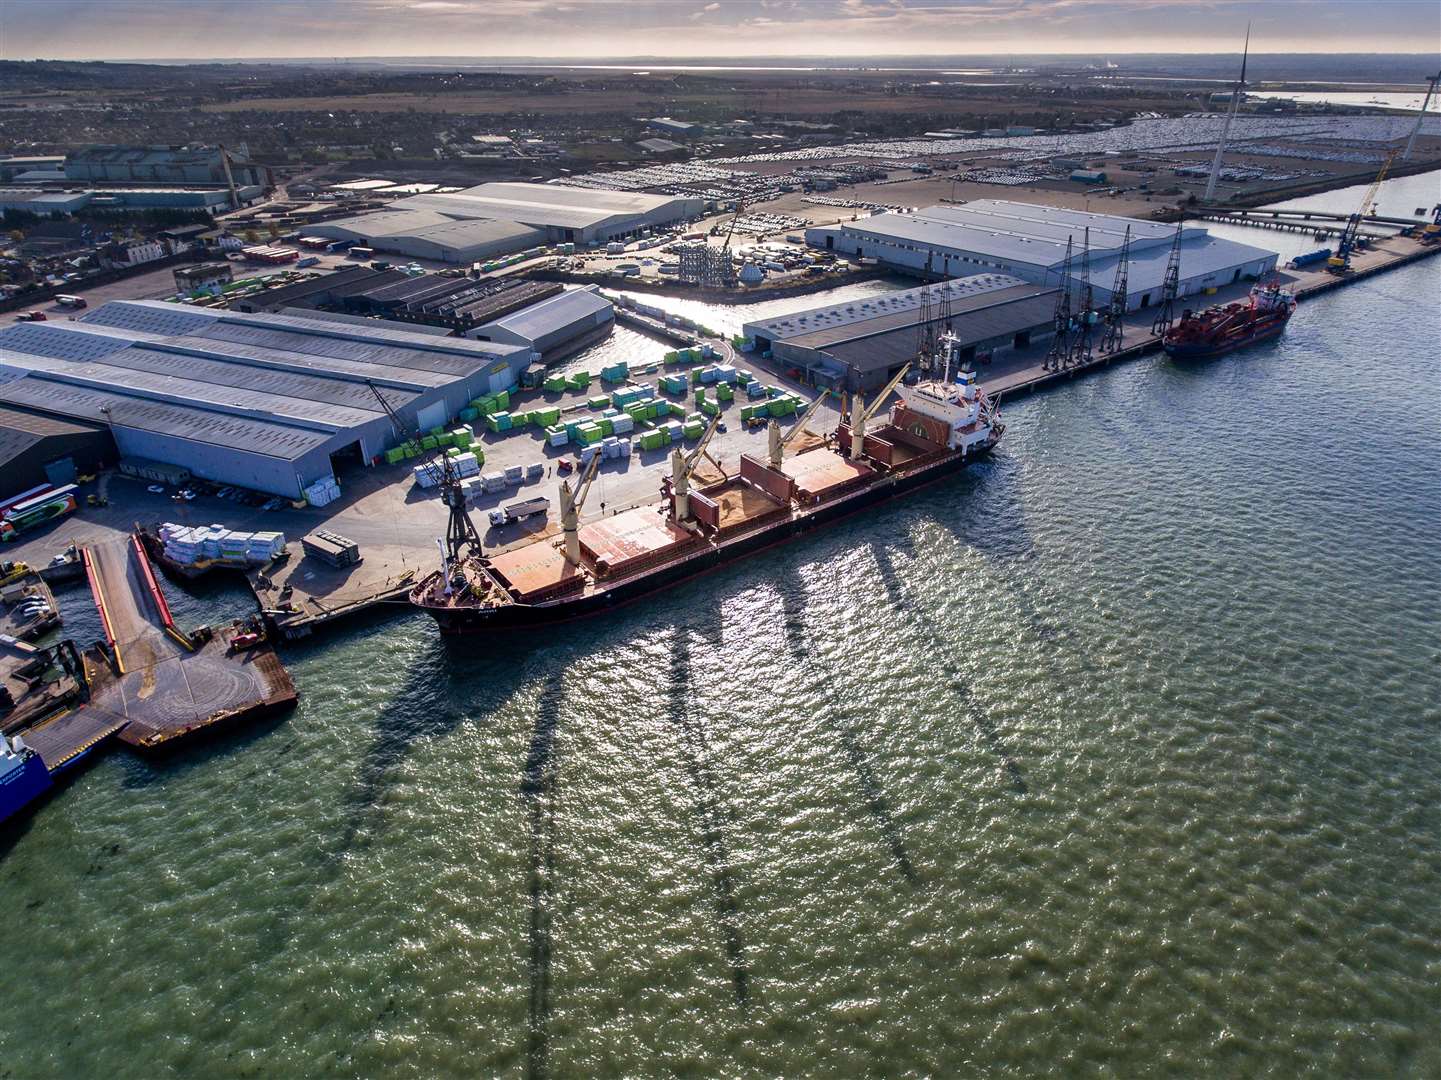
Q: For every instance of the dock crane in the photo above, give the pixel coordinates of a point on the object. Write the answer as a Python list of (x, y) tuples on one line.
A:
[(571, 502), (1340, 263), (461, 537), (779, 442), (1421, 116), (860, 412), (682, 465)]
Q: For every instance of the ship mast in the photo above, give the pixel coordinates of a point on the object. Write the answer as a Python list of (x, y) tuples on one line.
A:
[(1170, 287), (1114, 337)]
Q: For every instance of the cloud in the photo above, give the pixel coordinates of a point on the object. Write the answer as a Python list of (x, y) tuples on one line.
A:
[(703, 12)]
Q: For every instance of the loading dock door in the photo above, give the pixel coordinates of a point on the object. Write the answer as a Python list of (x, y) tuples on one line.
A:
[(500, 377), (432, 416), (61, 472)]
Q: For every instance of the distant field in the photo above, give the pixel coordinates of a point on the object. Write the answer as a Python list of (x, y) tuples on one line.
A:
[(791, 102)]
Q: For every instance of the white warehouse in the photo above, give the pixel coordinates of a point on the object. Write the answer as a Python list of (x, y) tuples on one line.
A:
[(1028, 241), (497, 219)]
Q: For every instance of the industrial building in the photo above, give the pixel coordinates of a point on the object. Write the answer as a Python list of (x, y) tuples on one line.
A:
[(428, 234), (266, 402), (861, 344), (554, 328), (1028, 241), (36, 448), (164, 165), (41, 201)]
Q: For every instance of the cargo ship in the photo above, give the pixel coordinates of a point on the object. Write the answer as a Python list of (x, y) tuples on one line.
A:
[(23, 776), (936, 428), (1218, 330)]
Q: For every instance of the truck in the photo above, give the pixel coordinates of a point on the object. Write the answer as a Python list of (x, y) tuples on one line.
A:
[(517, 511), (309, 260)]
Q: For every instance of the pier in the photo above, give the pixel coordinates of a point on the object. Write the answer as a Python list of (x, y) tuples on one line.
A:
[(154, 683), (1028, 373)]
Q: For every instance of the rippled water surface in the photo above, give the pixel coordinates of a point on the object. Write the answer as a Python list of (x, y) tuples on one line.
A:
[(1118, 756)]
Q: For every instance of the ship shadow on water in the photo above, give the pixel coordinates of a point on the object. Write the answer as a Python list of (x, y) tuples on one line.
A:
[(711, 814), (793, 607)]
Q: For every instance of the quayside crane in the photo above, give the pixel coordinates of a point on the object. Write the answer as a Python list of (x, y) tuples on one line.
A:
[(860, 412), (1340, 263), (1421, 116), (571, 502), (1115, 333), (682, 465), (779, 442), (461, 537)]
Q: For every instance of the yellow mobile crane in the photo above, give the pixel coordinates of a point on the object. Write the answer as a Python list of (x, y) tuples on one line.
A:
[(570, 507), (779, 442), (1340, 263), (860, 413), (681, 466)]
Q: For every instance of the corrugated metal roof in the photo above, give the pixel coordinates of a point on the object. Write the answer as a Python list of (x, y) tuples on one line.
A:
[(895, 347), (543, 204), (179, 421), (965, 313), (852, 314), (558, 313)]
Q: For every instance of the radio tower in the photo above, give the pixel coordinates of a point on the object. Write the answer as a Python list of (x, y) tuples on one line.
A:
[(1169, 287), (1081, 346), (1115, 334), (1061, 339)]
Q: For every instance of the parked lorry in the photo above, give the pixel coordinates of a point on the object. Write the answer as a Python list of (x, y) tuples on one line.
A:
[(516, 511)]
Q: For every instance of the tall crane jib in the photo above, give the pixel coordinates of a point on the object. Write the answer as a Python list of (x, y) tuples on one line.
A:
[(1060, 348), (1115, 335), (1085, 318), (1340, 263), (1170, 287), (461, 537)]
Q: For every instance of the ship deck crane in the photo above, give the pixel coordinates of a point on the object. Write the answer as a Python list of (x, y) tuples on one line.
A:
[(1340, 263), (682, 465), (779, 442), (860, 412), (571, 502), (460, 533)]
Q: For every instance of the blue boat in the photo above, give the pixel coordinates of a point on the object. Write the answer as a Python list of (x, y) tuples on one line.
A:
[(23, 777)]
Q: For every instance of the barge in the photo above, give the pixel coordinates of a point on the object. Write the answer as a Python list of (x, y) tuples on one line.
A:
[(936, 428)]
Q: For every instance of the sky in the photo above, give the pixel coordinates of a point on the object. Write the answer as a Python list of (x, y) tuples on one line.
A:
[(598, 29)]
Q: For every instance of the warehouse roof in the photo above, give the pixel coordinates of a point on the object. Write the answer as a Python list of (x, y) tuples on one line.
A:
[(854, 318), (269, 384), (557, 313), (1035, 235), (21, 429), (539, 204), (998, 320)]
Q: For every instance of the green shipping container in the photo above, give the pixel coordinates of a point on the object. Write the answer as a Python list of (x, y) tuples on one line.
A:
[(699, 394), (555, 383), (427, 442), (605, 425), (600, 401), (468, 415), (694, 430), (724, 393)]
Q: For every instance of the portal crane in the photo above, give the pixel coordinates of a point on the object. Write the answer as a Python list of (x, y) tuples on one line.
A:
[(779, 442), (860, 412), (225, 159), (682, 465), (1340, 263), (460, 533), (571, 503)]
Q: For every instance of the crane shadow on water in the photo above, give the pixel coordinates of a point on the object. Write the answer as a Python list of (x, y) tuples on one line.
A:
[(538, 788), (945, 653), (792, 593), (711, 813)]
